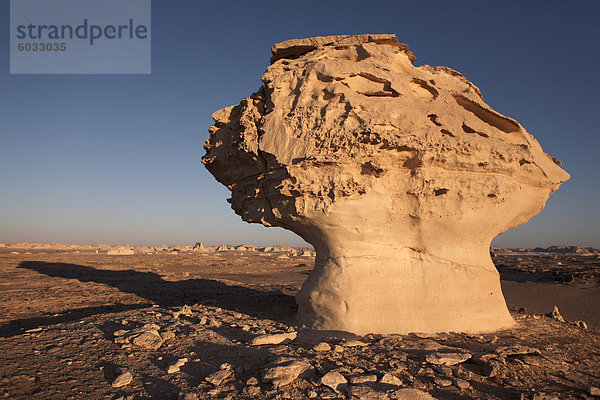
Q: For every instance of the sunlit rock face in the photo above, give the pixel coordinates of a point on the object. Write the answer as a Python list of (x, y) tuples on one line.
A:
[(399, 176)]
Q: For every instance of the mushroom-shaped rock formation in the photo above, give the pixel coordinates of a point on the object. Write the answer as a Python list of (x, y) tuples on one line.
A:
[(399, 176)]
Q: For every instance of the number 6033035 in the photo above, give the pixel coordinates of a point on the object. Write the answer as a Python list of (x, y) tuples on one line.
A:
[(42, 46)]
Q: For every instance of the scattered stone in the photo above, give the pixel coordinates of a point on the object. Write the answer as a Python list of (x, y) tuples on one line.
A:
[(312, 394), (442, 381), (251, 391), (321, 347), (516, 349), (555, 314), (461, 383), (443, 370), (391, 380), (338, 349), (226, 366), (594, 391), (447, 358), (492, 368), (277, 338), (252, 381), (177, 366), (286, 371), (167, 335), (33, 330), (364, 392), (412, 394), (354, 343), (187, 396), (150, 340), (218, 377), (532, 360), (581, 324), (122, 380), (335, 381), (360, 379), (185, 311)]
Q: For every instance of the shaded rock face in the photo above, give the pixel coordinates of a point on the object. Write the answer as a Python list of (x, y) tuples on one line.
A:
[(399, 176)]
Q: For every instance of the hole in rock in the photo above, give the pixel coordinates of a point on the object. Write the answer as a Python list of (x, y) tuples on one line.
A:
[(369, 168), (370, 85), (423, 90), (433, 119), (555, 160), (413, 163), (439, 192), (524, 161), (467, 128), (446, 132), (489, 117), (492, 195)]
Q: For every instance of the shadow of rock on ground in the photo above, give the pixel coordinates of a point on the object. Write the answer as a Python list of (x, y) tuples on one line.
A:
[(20, 325), (257, 302)]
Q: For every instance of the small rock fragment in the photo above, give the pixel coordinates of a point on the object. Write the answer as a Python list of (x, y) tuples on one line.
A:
[(286, 371), (252, 381), (461, 383), (167, 335), (226, 366), (492, 368), (442, 382), (581, 324), (185, 310), (175, 367), (312, 394), (122, 380), (251, 391), (555, 314), (354, 343), (150, 340), (391, 380), (187, 396), (360, 379), (412, 394), (338, 349), (335, 380), (321, 347), (364, 392), (218, 377), (277, 338), (516, 349), (447, 358), (594, 391)]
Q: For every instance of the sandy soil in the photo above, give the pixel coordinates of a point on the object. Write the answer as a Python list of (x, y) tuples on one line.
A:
[(71, 323)]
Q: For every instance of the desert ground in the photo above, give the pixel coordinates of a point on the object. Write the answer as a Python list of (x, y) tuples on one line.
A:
[(177, 323)]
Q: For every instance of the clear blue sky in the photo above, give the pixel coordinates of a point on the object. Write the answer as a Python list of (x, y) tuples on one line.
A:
[(105, 158)]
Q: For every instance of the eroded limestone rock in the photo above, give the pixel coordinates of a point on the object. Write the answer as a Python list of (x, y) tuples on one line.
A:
[(399, 176)]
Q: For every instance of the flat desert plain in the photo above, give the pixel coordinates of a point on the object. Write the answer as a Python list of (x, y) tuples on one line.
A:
[(184, 325)]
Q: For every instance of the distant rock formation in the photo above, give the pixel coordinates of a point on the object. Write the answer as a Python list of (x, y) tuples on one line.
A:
[(222, 247), (121, 251), (399, 176)]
